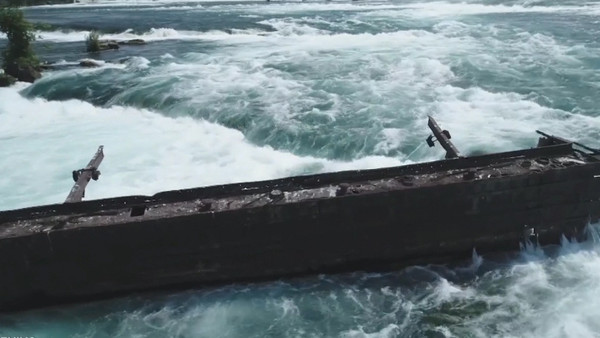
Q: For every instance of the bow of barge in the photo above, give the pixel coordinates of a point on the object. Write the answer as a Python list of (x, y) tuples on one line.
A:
[(353, 220)]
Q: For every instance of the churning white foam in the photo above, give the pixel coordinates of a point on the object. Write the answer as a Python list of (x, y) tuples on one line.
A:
[(385, 8), (542, 297), (154, 34), (304, 6), (443, 9), (42, 142), (413, 64), (497, 121), (290, 26)]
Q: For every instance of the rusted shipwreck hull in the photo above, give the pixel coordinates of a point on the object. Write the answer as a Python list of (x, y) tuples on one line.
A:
[(354, 220)]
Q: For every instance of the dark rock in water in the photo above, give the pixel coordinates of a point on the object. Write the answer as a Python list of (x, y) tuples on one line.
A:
[(58, 66), (89, 63), (108, 45), (47, 66), (133, 42), (7, 80), (113, 45), (25, 73)]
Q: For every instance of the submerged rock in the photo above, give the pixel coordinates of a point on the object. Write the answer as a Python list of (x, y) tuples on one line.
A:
[(105, 45), (82, 63), (89, 63)]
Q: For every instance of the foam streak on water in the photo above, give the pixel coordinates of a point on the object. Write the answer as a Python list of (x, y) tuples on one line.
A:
[(233, 91)]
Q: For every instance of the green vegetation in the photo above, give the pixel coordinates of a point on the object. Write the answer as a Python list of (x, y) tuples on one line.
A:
[(92, 42), (18, 53)]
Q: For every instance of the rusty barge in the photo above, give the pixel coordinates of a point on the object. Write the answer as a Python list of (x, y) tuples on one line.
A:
[(354, 220)]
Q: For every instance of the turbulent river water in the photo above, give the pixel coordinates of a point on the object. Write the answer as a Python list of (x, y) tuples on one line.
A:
[(234, 91)]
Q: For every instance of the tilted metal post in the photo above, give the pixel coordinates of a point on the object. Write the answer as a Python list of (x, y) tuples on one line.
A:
[(443, 137), (83, 176)]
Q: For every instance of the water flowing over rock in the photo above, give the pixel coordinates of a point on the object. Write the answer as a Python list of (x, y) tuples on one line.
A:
[(109, 45), (88, 63)]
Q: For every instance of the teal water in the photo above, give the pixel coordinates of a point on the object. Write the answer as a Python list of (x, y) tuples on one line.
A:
[(236, 91)]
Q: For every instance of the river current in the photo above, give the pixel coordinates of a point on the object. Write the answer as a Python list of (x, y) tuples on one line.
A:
[(231, 91)]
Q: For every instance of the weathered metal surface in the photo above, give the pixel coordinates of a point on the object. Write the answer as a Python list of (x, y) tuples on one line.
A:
[(83, 176), (354, 220)]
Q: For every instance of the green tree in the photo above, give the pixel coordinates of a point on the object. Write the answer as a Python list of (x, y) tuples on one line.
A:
[(20, 36)]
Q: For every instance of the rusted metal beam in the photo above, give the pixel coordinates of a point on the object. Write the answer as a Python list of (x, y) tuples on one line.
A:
[(443, 137), (83, 176)]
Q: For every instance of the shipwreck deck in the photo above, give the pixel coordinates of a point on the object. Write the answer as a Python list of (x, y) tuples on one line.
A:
[(491, 168)]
